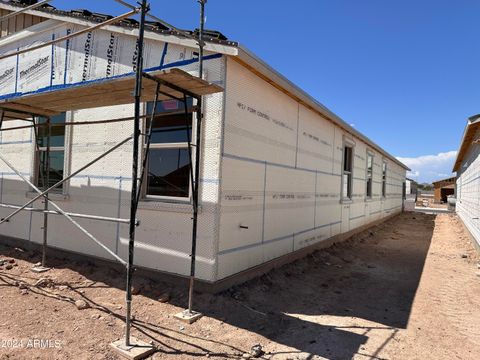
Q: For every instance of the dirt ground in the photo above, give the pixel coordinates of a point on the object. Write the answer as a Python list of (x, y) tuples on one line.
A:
[(406, 289)]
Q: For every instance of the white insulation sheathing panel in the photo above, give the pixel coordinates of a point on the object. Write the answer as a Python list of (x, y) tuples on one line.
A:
[(163, 240), (281, 176), (468, 190), (270, 171)]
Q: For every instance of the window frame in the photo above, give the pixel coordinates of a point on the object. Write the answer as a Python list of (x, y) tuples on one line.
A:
[(347, 198), (367, 177), (177, 145), (66, 148)]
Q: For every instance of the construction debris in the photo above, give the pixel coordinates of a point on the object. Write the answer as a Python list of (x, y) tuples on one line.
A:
[(136, 290), (44, 282), (23, 285), (81, 304), (256, 351), (9, 263), (164, 298)]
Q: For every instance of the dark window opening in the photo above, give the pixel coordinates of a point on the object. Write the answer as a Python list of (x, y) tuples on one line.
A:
[(55, 172), (369, 175), (168, 172), (384, 179), (347, 172)]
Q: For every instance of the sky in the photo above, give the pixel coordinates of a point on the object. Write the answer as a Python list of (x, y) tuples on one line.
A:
[(402, 72)]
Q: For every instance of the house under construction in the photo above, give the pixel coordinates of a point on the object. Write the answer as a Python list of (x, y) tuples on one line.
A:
[(278, 173)]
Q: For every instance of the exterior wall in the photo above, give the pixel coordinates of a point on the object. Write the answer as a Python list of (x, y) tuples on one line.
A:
[(270, 176), (17, 23), (281, 176), (163, 238), (468, 191)]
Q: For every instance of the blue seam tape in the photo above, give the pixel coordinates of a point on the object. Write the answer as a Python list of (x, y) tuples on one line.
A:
[(52, 64), (16, 74), (164, 53), (67, 48), (242, 158), (88, 82)]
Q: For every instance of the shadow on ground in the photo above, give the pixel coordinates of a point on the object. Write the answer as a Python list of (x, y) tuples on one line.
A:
[(373, 276)]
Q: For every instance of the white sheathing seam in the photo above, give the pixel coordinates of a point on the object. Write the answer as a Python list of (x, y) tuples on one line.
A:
[(281, 176)]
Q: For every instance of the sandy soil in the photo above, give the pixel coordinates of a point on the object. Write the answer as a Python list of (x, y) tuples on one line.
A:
[(406, 289)]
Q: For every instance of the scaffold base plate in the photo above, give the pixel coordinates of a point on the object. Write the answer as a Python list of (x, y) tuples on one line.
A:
[(135, 351), (188, 317)]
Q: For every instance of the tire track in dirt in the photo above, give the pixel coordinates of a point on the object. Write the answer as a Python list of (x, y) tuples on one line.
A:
[(456, 302), (457, 296)]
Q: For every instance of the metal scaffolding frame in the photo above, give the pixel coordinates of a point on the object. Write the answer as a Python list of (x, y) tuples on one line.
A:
[(31, 7), (137, 181)]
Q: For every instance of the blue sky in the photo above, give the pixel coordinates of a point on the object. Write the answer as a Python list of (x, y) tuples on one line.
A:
[(403, 72)]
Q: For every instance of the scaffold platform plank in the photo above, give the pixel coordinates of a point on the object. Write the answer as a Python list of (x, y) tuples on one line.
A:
[(105, 92)]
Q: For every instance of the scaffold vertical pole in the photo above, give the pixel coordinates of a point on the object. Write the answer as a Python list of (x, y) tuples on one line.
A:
[(133, 196), (46, 184), (188, 126), (197, 160), (148, 140), (1, 119)]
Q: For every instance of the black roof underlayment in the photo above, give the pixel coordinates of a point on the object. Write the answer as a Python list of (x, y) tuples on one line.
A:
[(211, 36)]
